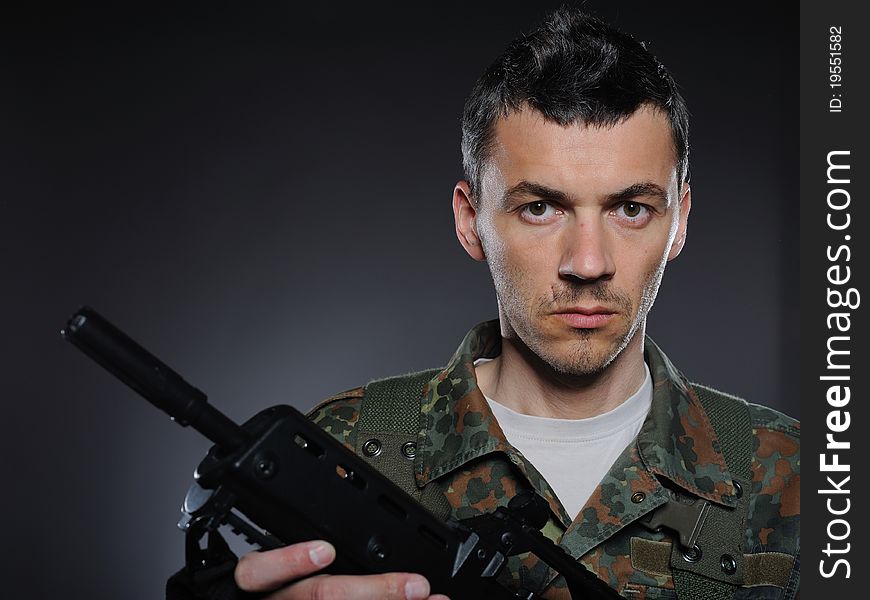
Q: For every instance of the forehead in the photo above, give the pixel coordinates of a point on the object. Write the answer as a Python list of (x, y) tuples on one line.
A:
[(581, 157)]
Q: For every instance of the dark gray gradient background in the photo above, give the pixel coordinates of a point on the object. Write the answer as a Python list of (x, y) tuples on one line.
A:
[(260, 194)]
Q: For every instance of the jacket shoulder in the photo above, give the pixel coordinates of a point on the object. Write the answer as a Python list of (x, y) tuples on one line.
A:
[(773, 516), (777, 459), (762, 417), (338, 414)]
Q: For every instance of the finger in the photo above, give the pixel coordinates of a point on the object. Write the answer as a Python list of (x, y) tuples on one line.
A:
[(386, 586), (264, 571)]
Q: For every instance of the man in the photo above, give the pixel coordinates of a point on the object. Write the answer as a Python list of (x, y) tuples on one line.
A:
[(576, 155)]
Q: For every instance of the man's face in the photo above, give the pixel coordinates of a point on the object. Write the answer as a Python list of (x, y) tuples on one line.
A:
[(576, 224)]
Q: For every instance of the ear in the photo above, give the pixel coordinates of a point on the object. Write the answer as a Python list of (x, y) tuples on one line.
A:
[(465, 217), (685, 207)]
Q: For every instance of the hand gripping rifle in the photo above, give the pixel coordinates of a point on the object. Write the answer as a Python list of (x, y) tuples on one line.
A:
[(279, 479)]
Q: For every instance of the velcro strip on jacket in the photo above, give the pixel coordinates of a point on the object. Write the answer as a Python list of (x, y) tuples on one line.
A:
[(762, 568)]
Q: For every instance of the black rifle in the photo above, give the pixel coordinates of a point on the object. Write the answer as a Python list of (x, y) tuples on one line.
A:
[(296, 483)]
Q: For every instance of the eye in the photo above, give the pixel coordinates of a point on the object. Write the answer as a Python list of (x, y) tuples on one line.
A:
[(538, 212), (632, 209), (538, 209), (632, 213)]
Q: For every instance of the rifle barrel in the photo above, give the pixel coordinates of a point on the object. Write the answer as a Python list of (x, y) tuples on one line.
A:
[(152, 379)]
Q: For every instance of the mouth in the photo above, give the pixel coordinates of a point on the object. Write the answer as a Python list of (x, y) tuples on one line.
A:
[(581, 317)]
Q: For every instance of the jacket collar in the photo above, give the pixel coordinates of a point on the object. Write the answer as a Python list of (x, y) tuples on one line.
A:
[(456, 423), (676, 440)]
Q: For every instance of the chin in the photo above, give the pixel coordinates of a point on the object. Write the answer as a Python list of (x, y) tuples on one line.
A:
[(580, 356)]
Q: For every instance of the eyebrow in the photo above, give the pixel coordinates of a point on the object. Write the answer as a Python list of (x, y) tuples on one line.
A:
[(530, 188), (638, 190)]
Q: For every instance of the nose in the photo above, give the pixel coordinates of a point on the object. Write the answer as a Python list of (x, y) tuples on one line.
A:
[(586, 251)]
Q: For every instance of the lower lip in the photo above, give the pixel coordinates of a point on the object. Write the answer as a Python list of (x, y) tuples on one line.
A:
[(582, 321)]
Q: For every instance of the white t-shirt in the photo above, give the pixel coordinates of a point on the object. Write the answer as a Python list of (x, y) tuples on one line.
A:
[(573, 455)]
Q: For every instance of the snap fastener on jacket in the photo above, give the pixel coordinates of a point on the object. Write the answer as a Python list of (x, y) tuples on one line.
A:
[(409, 450), (692, 555), (638, 497), (372, 447), (728, 564)]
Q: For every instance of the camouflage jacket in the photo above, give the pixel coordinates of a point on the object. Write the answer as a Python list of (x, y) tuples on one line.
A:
[(462, 450)]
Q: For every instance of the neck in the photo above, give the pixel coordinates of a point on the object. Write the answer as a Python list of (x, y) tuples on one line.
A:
[(521, 381)]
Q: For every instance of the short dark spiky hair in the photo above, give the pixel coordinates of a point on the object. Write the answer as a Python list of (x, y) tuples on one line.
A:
[(573, 69)]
